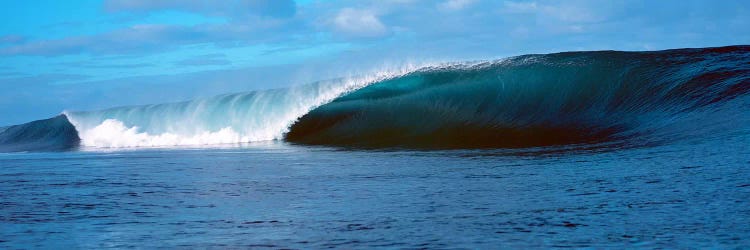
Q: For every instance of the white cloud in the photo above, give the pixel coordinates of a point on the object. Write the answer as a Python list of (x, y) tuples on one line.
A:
[(455, 4), (573, 13), (235, 8), (557, 17), (360, 23), (519, 7)]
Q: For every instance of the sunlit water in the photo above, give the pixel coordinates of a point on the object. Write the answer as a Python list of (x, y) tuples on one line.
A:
[(691, 194)]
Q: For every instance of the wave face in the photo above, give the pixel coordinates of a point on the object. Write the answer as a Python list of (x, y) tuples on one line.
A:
[(540, 100), (567, 98)]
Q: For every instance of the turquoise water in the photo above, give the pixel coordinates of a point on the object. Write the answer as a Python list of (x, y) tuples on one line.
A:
[(276, 195)]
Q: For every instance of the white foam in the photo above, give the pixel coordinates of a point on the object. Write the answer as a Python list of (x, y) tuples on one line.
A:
[(114, 134)]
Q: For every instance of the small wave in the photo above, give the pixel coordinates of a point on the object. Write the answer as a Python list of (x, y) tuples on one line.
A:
[(51, 134)]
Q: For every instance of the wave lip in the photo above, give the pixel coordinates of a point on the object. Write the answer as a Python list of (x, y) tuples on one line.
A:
[(53, 134)]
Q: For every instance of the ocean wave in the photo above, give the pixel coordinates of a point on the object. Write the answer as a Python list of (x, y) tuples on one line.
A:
[(535, 100), (232, 118), (524, 101)]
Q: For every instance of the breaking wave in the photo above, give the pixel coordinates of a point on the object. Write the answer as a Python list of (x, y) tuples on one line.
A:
[(524, 101)]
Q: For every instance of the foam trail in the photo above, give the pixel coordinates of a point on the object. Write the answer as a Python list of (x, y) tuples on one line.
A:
[(233, 118)]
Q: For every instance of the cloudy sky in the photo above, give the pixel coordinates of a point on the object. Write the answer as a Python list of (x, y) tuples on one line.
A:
[(92, 54)]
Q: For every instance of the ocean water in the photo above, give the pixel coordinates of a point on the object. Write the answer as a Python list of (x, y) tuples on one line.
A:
[(278, 195), (600, 149)]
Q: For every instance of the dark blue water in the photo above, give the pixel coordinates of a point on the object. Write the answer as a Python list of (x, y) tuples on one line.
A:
[(686, 195)]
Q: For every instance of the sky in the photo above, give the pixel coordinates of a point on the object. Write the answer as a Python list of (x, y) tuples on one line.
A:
[(93, 54)]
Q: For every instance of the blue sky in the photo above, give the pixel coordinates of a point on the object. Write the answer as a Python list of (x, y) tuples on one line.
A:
[(93, 54)]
